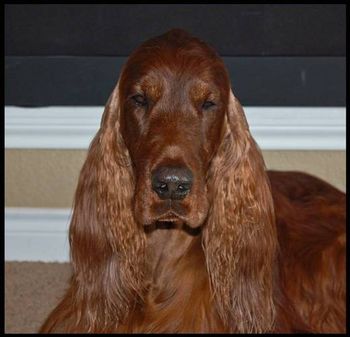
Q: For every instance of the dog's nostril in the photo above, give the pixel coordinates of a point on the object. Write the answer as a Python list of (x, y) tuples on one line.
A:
[(163, 187), (172, 182), (183, 188)]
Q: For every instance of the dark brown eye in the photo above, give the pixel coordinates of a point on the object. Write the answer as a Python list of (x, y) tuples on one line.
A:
[(139, 100), (207, 104)]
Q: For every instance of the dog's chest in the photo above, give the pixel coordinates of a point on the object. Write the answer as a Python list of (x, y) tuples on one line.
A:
[(178, 298), (184, 309)]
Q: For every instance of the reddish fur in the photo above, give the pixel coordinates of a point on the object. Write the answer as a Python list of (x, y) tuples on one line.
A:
[(249, 251)]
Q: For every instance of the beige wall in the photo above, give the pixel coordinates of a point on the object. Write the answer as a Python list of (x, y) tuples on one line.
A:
[(48, 178)]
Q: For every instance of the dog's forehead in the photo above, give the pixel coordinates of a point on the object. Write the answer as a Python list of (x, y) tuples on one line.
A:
[(172, 61), (155, 70), (174, 58), (165, 78)]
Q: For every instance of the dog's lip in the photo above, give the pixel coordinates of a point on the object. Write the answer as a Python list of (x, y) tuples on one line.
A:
[(171, 220), (169, 217)]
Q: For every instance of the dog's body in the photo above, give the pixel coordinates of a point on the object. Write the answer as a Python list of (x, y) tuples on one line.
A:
[(310, 219), (177, 227)]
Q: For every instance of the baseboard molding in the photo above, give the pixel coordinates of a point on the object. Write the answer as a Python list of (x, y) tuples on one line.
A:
[(37, 234), (274, 128)]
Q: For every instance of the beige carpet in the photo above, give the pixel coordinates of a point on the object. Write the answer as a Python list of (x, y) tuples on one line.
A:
[(32, 290)]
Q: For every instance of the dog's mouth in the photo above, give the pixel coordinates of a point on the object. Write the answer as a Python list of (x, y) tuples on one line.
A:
[(172, 221)]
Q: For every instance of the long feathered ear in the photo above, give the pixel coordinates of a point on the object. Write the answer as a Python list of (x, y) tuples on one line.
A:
[(239, 239), (107, 246)]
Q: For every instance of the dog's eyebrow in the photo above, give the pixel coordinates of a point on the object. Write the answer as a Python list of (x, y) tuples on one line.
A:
[(149, 85), (203, 90)]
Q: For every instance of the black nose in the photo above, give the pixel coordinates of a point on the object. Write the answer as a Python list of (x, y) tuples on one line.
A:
[(172, 182)]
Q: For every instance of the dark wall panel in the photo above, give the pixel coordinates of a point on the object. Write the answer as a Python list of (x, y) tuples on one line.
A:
[(234, 30), (259, 81)]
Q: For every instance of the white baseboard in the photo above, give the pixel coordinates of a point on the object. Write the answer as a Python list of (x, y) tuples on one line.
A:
[(274, 128), (37, 234)]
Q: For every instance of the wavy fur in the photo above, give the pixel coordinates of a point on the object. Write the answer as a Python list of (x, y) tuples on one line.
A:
[(240, 236), (107, 246)]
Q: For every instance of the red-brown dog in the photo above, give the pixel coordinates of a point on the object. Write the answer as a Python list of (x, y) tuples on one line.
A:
[(177, 227)]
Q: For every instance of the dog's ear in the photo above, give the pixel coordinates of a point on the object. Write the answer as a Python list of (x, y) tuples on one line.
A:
[(239, 238), (107, 245)]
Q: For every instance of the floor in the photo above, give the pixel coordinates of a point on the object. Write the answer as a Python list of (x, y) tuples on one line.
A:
[(32, 290)]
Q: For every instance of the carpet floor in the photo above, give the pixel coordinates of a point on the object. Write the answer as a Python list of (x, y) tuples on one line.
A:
[(32, 290)]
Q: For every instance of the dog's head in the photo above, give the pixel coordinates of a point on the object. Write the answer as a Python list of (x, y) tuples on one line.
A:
[(173, 93)]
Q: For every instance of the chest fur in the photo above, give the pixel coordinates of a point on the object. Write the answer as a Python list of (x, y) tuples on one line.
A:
[(178, 298)]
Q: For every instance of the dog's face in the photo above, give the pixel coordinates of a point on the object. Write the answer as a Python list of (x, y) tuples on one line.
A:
[(173, 97)]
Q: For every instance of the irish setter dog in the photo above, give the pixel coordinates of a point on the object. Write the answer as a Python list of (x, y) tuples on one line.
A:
[(178, 227)]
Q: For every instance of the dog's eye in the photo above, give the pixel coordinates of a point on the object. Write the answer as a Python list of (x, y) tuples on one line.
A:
[(207, 104), (139, 100)]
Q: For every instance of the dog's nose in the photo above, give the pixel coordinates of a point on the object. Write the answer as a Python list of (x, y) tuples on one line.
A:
[(172, 182)]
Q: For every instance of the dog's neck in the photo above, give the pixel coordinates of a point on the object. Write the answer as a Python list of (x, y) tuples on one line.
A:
[(178, 296), (167, 247)]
